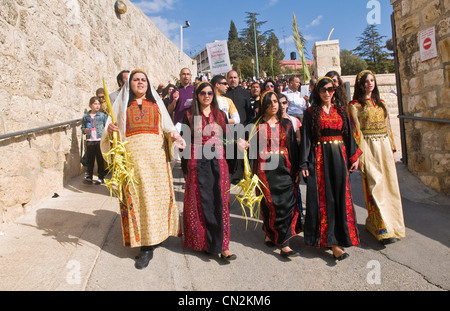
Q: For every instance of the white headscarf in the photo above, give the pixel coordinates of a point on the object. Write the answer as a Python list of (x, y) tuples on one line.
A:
[(120, 106)]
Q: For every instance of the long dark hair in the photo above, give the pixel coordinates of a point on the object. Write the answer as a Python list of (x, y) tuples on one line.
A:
[(265, 102), (360, 92), (341, 92), (195, 106), (316, 108), (148, 94)]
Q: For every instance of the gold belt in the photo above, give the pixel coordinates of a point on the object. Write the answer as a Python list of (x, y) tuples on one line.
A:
[(330, 142), (273, 152)]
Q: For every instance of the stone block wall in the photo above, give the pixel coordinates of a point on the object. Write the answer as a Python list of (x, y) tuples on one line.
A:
[(425, 89), (53, 56)]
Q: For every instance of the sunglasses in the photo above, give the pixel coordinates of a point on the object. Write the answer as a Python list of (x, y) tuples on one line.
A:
[(203, 93), (270, 85), (284, 102), (329, 90), (223, 83)]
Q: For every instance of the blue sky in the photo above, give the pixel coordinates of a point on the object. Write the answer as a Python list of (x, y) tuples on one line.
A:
[(210, 20)]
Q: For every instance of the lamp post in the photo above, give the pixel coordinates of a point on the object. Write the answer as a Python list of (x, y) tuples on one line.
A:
[(256, 49), (253, 63), (187, 24)]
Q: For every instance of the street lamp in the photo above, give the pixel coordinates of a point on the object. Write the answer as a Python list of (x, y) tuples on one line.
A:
[(256, 49), (187, 25)]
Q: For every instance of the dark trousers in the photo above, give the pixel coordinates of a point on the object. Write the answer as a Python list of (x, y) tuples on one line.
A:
[(93, 153)]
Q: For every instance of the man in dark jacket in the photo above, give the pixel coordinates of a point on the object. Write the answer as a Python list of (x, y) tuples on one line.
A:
[(239, 96)]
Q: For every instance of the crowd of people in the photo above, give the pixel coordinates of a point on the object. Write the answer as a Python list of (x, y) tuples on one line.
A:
[(319, 136)]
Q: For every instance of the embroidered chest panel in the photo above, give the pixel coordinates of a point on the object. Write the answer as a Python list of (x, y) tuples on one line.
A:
[(142, 118), (331, 120), (371, 119)]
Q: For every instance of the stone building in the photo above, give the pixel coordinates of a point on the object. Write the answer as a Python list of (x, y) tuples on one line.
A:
[(425, 89), (53, 56)]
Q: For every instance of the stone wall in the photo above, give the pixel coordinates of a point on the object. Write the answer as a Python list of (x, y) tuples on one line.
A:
[(425, 89), (53, 56)]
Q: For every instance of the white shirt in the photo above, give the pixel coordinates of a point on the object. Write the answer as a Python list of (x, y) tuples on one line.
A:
[(227, 106), (297, 104)]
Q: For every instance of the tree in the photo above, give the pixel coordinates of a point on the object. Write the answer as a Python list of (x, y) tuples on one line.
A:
[(248, 35), (268, 46), (242, 49), (351, 64), (372, 50), (235, 47)]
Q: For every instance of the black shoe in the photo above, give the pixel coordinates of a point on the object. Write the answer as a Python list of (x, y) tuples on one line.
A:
[(88, 181), (289, 254), (229, 257), (388, 241), (269, 243), (143, 259), (342, 257)]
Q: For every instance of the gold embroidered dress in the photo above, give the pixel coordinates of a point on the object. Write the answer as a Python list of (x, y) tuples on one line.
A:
[(150, 214), (373, 134)]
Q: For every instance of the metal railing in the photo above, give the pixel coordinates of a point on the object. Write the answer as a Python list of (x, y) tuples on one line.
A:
[(38, 129), (424, 119)]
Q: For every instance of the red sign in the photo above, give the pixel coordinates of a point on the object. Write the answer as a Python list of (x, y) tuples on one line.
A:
[(427, 44)]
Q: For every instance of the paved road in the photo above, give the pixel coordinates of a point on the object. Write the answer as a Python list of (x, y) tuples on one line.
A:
[(73, 243)]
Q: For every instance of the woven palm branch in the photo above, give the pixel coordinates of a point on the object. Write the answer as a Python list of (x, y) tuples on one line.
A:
[(300, 47), (247, 194), (120, 165)]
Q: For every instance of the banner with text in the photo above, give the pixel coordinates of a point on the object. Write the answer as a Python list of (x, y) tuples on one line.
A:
[(219, 59)]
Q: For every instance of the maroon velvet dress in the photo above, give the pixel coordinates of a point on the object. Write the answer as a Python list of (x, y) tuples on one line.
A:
[(206, 212)]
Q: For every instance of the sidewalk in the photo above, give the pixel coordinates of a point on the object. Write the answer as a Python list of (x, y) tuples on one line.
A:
[(73, 242)]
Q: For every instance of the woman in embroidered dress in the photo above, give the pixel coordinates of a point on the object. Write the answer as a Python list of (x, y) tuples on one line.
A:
[(206, 213), (150, 214), (372, 131), (276, 165), (328, 154)]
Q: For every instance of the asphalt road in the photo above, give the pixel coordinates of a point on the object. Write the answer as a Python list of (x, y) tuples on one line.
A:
[(73, 243)]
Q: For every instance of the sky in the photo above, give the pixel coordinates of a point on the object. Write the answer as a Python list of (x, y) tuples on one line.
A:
[(210, 20)]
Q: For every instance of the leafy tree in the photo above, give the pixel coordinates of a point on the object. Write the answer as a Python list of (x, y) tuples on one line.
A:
[(235, 46), (273, 45), (248, 35), (372, 50), (242, 49), (351, 64)]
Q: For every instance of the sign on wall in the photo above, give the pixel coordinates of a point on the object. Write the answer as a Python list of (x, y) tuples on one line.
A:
[(427, 42), (219, 59)]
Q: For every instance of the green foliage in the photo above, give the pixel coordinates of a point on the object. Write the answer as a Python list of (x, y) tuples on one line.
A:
[(351, 64), (372, 50), (242, 48)]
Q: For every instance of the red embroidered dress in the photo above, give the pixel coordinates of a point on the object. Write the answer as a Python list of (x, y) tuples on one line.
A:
[(276, 166), (330, 217)]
